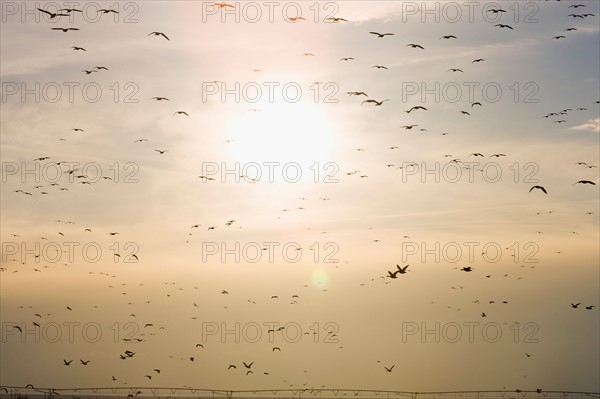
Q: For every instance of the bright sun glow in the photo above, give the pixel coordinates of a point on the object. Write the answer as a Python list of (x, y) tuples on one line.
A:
[(282, 133)]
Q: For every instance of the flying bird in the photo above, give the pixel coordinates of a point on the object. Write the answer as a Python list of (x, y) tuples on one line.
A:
[(52, 14), (402, 270), (158, 34), (539, 188), (380, 35), (64, 29), (377, 103)]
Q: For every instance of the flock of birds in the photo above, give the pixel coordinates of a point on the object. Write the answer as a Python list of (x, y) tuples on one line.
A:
[(247, 366)]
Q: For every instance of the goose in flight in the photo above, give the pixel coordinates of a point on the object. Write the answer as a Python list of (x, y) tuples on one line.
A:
[(78, 48), (64, 29), (160, 98), (224, 5), (585, 182), (377, 103), (590, 307), (84, 362), (408, 127), (504, 26), (248, 365), (497, 155), (389, 369), (455, 70), (466, 269), (539, 188), (67, 363), (402, 270), (380, 35), (575, 305), (559, 37), (52, 14), (413, 45), (294, 19), (394, 274), (158, 34), (161, 151), (357, 93), (231, 366), (88, 71), (477, 60), (448, 37), (107, 10), (379, 67), (346, 59), (180, 113), (140, 140), (465, 113), (416, 107), (70, 10), (336, 19), (101, 67)]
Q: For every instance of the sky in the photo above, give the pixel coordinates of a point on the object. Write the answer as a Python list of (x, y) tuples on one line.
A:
[(229, 196)]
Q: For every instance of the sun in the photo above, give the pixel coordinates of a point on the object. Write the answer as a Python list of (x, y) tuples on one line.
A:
[(284, 133)]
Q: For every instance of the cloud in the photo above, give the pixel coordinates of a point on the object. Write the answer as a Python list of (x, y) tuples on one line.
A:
[(592, 125)]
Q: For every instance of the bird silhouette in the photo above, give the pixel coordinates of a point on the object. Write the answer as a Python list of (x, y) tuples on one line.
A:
[(380, 35), (377, 103), (539, 188), (402, 270), (64, 29), (158, 34), (52, 14)]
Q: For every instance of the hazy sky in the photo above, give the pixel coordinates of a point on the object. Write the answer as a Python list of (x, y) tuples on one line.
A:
[(308, 197)]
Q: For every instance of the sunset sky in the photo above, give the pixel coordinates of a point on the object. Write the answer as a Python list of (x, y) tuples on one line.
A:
[(304, 198)]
